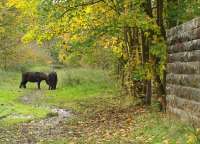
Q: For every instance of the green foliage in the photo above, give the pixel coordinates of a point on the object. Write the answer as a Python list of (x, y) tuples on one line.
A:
[(159, 49), (91, 24), (8, 34), (179, 12), (142, 72)]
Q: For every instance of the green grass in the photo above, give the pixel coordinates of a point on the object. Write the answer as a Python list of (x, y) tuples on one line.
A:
[(77, 84), (9, 100), (91, 93), (73, 85), (56, 141), (157, 128)]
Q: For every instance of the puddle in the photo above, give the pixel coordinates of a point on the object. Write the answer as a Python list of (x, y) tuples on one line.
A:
[(35, 130), (62, 112), (59, 115)]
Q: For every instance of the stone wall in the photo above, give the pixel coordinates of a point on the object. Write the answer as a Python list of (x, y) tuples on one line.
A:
[(183, 71)]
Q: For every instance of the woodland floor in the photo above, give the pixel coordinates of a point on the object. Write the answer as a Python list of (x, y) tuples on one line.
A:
[(84, 109)]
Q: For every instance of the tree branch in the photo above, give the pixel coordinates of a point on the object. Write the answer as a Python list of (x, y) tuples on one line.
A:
[(114, 7), (80, 5)]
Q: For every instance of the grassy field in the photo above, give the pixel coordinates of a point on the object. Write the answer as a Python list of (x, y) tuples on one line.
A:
[(73, 85), (10, 106), (100, 115)]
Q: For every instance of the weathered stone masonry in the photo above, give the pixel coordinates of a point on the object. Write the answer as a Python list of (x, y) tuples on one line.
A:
[(183, 71)]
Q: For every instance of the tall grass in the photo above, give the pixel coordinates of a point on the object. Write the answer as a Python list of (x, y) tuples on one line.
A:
[(82, 76), (76, 84)]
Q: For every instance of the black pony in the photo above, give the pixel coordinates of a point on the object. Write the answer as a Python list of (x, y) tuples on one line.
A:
[(33, 77), (52, 80)]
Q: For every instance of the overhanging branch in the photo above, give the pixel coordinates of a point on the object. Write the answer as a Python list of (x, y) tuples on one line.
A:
[(80, 5)]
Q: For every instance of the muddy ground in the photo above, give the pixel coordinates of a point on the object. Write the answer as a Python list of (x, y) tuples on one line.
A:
[(36, 131)]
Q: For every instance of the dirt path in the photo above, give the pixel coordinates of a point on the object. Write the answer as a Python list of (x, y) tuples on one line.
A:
[(36, 131)]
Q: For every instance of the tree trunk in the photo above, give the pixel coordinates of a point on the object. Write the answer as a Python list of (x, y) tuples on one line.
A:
[(145, 59), (148, 92), (160, 18), (5, 63), (146, 54), (160, 22), (131, 39)]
